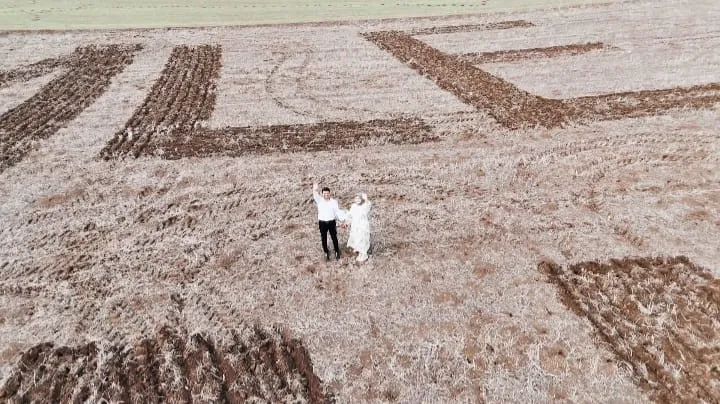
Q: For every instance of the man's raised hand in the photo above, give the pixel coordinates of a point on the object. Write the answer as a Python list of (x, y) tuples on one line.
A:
[(315, 186)]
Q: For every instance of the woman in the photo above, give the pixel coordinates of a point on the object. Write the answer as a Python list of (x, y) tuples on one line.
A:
[(358, 217)]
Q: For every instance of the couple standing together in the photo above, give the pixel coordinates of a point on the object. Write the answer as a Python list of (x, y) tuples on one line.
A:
[(357, 217)]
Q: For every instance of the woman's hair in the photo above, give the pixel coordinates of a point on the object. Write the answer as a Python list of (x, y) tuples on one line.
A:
[(359, 196)]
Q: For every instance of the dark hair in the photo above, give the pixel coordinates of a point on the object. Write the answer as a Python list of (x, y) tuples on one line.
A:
[(325, 189)]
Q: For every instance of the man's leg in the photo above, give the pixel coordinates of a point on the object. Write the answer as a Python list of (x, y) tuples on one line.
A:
[(333, 235), (323, 237)]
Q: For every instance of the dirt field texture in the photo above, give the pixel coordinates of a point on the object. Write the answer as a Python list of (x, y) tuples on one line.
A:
[(659, 315), (546, 190), (253, 365)]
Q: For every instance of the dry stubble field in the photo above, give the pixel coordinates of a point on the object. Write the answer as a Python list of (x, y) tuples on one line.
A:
[(546, 188)]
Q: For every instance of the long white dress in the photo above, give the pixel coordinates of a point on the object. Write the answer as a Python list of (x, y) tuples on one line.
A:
[(359, 238)]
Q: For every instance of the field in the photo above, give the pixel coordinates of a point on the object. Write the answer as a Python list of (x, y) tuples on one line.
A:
[(91, 14), (546, 189)]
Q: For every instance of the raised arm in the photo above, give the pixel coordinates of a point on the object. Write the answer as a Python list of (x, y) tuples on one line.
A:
[(367, 203), (316, 196)]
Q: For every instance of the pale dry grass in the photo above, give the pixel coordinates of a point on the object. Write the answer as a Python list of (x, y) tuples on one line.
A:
[(659, 315), (252, 365), (646, 55), (13, 94), (309, 76), (450, 308)]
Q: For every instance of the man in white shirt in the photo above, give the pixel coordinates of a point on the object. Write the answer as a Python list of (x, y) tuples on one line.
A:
[(328, 211)]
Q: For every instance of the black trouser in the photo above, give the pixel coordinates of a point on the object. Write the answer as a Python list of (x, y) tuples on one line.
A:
[(324, 228)]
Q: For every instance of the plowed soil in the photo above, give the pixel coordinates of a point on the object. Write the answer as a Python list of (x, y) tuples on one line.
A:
[(37, 69), (61, 100), (98, 255), (452, 29), (643, 103), (660, 315), (253, 366), (533, 53), (183, 96), (509, 105), (167, 123), (292, 138), (514, 108)]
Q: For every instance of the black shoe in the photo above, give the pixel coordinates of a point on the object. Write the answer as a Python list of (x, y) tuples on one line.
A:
[(337, 255), (327, 257)]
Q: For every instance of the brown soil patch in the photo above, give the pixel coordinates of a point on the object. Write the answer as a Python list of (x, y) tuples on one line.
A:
[(61, 100), (553, 358), (62, 198), (515, 108), (451, 29), (533, 53), (292, 138), (643, 103), (167, 123), (182, 96), (660, 315), (509, 105), (254, 365), (31, 71), (449, 298)]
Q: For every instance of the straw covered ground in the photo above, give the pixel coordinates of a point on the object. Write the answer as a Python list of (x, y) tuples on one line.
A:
[(546, 192)]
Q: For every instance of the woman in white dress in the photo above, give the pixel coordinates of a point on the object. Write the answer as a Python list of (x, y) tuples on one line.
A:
[(358, 217)]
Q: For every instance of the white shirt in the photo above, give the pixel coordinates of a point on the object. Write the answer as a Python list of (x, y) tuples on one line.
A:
[(327, 210)]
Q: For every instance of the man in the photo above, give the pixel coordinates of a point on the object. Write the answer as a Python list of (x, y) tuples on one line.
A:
[(328, 212)]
